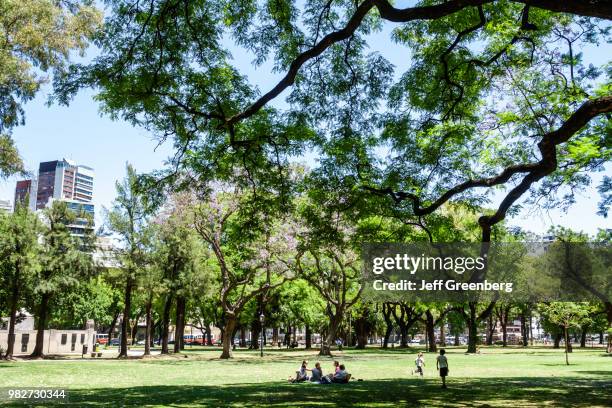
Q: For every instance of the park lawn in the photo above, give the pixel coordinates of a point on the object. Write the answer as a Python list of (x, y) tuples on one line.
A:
[(497, 377)]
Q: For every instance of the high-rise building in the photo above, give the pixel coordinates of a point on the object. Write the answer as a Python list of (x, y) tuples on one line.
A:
[(59, 180), (64, 180), (24, 193)]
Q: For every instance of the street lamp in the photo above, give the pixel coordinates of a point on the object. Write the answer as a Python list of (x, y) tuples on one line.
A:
[(261, 320)]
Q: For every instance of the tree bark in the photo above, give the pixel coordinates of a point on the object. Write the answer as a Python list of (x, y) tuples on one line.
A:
[(557, 340), (566, 345), (208, 332), (386, 310), (608, 306), (254, 338), (472, 328), (134, 329), (429, 326), (111, 329), (12, 320), (275, 335), (524, 331), (308, 338), (40, 325), (125, 322), (179, 331), (166, 325), (332, 329), (442, 335), (147, 350), (490, 329), (228, 332), (583, 336)]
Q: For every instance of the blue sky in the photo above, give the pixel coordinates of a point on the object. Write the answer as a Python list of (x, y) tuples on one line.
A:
[(80, 133)]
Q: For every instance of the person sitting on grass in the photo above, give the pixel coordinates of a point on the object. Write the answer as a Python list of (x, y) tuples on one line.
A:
[(317, 373), (442, 366), (341, 376), (420, 363), (301, 374)]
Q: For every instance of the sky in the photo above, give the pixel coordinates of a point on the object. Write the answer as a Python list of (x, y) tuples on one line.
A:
[(79, 132)]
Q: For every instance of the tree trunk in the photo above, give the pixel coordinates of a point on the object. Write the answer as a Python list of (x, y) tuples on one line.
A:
[(208, 332), (472, 329), (228, 332), (457, 339), (566, 346), (255, 333), (13, 317), (134, 329), (608, 306), (179, 330), (166, 325), (386, 309), (332, 329), (557, 340), (111, 329), (308, 338), (254, 338), (147, 350), (524, 332), (583, 336), (42, 322), (125, 322), (431, 336), (442, 335), (275, 335), (504, 327), (490, 329)]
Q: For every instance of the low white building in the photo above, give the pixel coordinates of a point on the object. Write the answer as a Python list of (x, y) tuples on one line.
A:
[(55, 341)]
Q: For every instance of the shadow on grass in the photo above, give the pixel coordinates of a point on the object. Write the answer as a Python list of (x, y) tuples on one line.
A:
[(489, 392)]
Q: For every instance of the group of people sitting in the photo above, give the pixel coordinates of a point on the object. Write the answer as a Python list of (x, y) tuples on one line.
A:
[(339, 375)]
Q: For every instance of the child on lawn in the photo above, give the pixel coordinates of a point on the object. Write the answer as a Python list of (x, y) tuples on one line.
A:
[(442, 366), (420, 363)]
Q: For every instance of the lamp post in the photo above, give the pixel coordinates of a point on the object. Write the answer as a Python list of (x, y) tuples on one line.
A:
[(261, 320)]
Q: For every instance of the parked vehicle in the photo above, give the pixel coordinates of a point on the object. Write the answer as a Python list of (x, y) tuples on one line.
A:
[(194, 339), (101, 338)]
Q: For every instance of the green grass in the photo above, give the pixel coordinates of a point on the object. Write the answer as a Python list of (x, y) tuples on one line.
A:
[(496, 377)]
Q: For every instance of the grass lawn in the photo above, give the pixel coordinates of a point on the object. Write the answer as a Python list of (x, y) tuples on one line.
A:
[(497, 377)]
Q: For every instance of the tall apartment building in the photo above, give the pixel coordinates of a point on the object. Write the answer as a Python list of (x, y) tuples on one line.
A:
[(64, 180), (24, 192), (59, 180)]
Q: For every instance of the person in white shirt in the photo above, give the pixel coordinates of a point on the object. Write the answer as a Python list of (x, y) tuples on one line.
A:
[(420, 363), (442, 366)]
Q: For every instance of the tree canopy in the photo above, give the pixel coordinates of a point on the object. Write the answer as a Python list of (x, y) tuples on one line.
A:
[(37, 39)]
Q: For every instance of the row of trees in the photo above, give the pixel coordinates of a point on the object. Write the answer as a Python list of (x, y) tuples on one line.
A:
[(214, 259), (41, 258)]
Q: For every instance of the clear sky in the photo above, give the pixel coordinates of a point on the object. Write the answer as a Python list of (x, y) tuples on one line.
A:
[(80, 133)]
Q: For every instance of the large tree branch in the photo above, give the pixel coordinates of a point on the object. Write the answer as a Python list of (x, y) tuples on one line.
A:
[(592, 8), (535, 171)]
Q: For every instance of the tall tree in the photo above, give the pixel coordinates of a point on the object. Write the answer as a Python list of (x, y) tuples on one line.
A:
[(129, 219), (19, 262), (65, 260), (38, 37), (251, 262)]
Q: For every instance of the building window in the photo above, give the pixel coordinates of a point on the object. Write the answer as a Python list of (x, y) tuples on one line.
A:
[(64, 339), (82, 338), (25, 339), (73, 342)]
